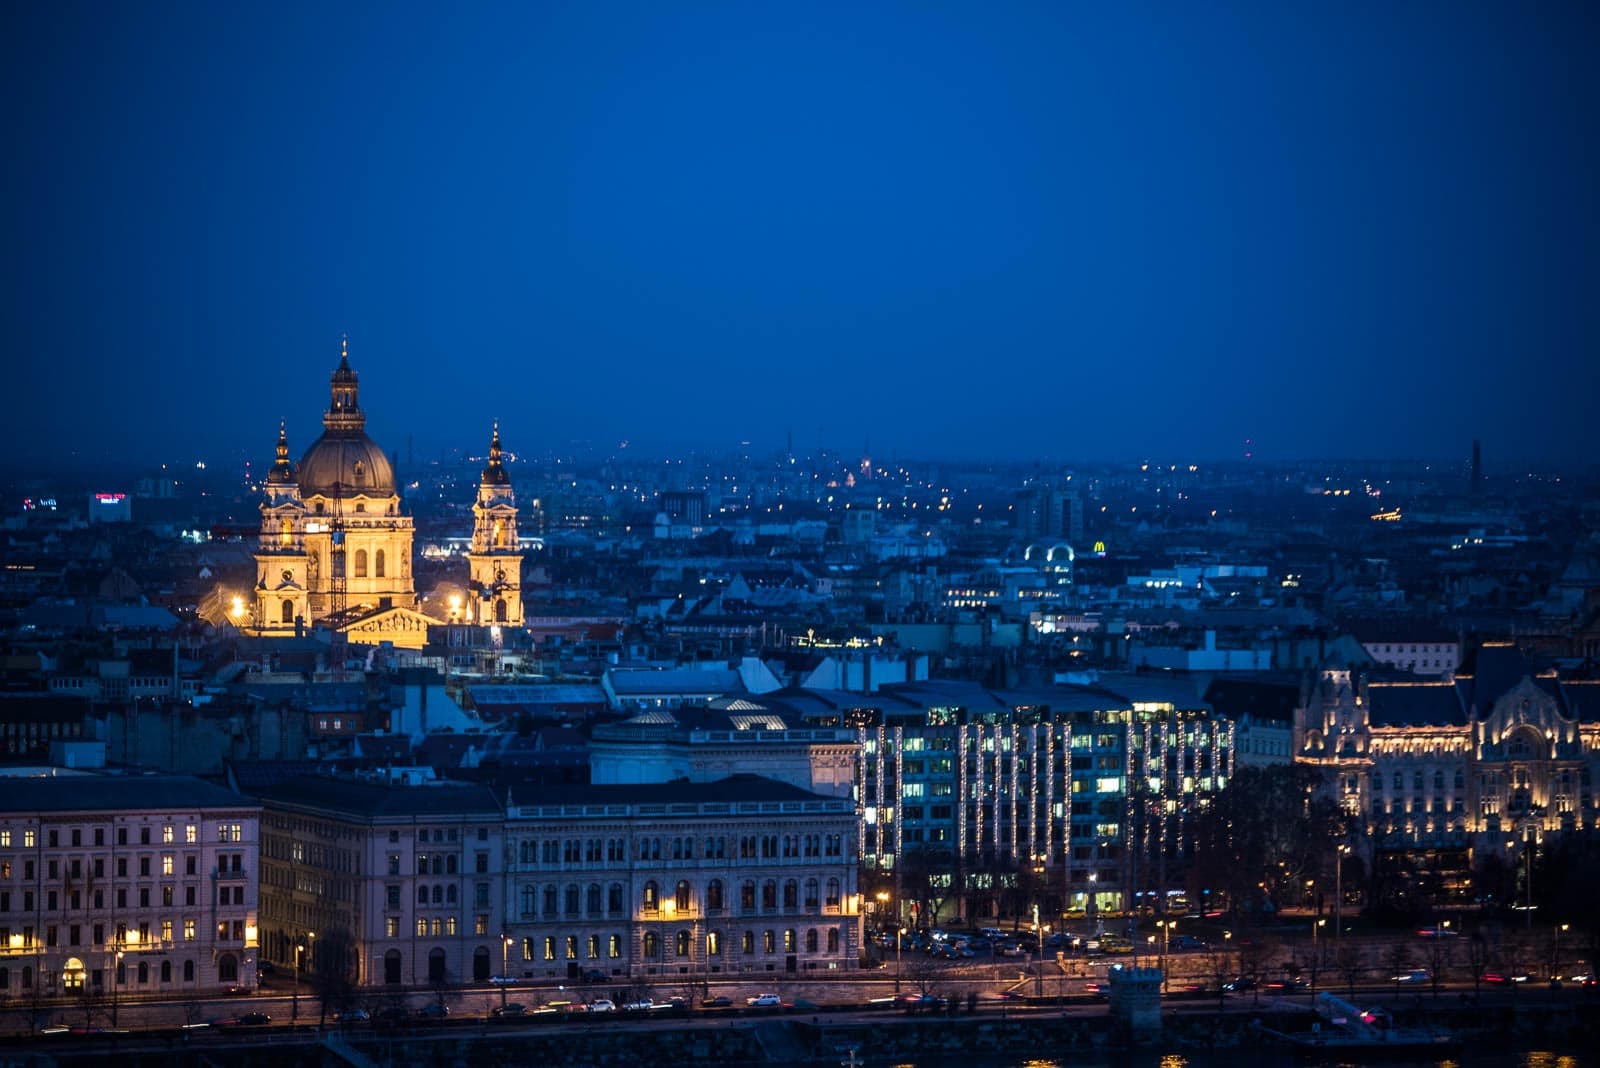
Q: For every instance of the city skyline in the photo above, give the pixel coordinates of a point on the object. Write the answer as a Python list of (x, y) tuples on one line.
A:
[(1028, 233)]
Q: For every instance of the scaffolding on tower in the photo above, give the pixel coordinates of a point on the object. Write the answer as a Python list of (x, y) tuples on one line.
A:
[(336, 558)]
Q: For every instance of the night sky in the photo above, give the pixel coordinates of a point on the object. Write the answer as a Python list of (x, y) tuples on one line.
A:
[(965, 229)]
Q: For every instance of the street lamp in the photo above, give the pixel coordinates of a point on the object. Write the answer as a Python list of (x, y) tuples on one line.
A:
[(899, 946), (1338, 890), (505, 954), (1555, 952), (1166, 927), (116, 973), (1316, 957), (294, 995)]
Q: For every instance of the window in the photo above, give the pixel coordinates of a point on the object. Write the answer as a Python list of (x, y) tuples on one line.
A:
[(832, 900), (769, 941), (188, 931), (361, 563), (833, 940), (681, 943), (191, 834), (681, 896), (714, 894), (652, 945), (747, 942), (391, 925), (811, 939), (652, 896), (166, 862), (166, 834), (614, 946), (747, 895), (789, 941)]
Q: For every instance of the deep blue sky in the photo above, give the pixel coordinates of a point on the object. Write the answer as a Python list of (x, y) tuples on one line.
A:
[(1046, 230)]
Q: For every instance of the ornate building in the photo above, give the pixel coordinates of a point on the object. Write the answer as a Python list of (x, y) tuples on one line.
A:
[(495, 562), (335, 546), (1440, 775)]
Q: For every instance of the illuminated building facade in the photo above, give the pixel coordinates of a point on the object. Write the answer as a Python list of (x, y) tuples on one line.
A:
[(1440, 775), (1091, 792), (386, 884), (406, 885), (676, 882), (114, 886)]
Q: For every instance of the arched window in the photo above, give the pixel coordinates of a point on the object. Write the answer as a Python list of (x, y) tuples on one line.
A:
[(769, 941), (285, 532), (450, 863), (166, 971), (573, 899), (791, 894), (652, 896), (529, 900), (594, 899), (422, 895), (144, 971), (769, 894), (747, 895), (833, 940), (501, 613), (714, 894), (228, 968), (681, 896), (714, 944), (286, 613), (652, 945), (438, 894), (450, 894), (789, 941), (832, 900), (378, 567), (747, 942), (188, 971), (811, 939), (550, 897), (614, 899), (361, 563), (812, 900), (682, 946)]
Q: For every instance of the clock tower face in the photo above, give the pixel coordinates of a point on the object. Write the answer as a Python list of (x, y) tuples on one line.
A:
[(288, 575)]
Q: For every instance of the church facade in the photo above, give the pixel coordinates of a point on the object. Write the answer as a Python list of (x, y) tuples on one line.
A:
[(336, 545)]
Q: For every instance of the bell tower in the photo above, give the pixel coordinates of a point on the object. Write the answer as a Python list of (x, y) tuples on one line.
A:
[(282, 591), (495, 583)]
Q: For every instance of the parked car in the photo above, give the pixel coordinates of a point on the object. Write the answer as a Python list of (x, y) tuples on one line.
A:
[(254, 1019), (602, 1005), (642, 1005), (508, 1011), (433, 1011), (352, 1016), (1239, 984), (763, 1001), (721, 1001)]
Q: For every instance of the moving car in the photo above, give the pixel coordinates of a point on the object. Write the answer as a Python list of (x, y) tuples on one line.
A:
[(763, 1001), (509, 1011), (721, 1001), (254, 1019), (1415, 975), (433, 1011), (602, 1005), (352, 1016)]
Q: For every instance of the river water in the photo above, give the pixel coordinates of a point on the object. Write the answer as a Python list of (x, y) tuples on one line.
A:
[(1264, 1058)]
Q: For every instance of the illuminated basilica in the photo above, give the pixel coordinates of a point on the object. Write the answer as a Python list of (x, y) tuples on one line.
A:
[(335, 548)]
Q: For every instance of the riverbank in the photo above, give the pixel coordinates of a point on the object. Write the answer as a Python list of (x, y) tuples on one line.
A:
[(888, 1038)]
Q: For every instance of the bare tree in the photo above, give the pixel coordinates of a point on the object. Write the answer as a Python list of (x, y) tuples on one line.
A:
[(1348, 962), (1439, 961), (1397, 959), (1477, 959)]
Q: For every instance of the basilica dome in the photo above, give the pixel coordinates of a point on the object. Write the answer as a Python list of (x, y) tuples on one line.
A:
[(345, 464)]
